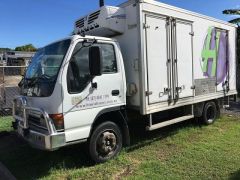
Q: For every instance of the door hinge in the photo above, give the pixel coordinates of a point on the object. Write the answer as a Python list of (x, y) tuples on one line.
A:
[(148, 93), (193, 87), (191, 33), (146, 26), (174, 22)]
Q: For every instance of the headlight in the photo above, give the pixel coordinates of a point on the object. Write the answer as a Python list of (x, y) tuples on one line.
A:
[(58, 120)]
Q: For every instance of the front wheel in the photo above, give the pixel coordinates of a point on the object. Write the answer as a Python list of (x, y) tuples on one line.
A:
[(105, 142), (210, 113)]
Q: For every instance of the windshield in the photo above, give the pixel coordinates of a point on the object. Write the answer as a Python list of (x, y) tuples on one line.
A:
[(43, 70), (48, 60)]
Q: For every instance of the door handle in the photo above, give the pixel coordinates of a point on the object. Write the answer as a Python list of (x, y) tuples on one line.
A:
[(115, 92)]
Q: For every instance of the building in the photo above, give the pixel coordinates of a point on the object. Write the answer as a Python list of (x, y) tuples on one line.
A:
[(12, 68), (17, 58), (1, 57)]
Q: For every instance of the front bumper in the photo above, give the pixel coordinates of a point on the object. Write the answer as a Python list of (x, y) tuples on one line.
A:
[(42, 141), (45, 138)]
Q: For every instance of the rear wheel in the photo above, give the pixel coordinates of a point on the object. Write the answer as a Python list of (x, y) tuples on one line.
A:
[(105, 142), (210, 113)]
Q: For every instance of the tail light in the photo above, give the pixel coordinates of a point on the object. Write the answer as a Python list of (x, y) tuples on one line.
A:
[(58, 121)]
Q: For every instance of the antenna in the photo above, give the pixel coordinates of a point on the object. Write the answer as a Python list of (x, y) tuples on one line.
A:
[(101, 3)]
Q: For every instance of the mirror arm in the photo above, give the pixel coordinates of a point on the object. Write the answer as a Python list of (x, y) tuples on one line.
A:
[(93, 84)]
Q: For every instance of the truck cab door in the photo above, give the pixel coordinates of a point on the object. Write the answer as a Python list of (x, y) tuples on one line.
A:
[(81, 102)]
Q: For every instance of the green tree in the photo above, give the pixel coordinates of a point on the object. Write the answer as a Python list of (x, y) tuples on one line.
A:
[(233, 12), (4, 49), (28, 47)]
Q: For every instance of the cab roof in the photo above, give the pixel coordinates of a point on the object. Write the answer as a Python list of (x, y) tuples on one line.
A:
[(75, 37)]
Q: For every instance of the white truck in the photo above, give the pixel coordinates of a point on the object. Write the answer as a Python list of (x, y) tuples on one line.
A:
[(163, 63)]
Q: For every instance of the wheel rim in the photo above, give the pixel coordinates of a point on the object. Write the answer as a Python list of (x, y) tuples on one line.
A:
[(210, 114), (106, 143)]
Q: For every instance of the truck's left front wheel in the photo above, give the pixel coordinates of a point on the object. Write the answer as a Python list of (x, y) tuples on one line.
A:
[(105, 142)]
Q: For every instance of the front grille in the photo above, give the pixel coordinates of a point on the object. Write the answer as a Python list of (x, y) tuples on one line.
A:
[(93, 17), (36, 121), (34, 118)]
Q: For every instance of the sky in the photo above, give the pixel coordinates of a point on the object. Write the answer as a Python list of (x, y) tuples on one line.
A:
[(41, 22)]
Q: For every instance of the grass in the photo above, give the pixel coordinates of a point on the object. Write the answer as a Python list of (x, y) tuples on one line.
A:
[(5, 123), (183, 151)]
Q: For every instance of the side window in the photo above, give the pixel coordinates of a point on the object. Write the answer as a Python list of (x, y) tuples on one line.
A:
[(109, 59), (78, 75)]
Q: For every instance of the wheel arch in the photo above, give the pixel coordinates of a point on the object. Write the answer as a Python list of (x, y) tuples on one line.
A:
[(198, 108), (117, 115)]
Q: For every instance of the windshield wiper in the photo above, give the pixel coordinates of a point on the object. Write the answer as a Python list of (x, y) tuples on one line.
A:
[(34, 80)]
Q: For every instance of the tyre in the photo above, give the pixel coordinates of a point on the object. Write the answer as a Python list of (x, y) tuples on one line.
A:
[(105, 142), (210, 113)]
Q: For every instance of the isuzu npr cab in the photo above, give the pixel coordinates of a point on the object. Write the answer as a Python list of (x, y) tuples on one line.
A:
[(161, 62)]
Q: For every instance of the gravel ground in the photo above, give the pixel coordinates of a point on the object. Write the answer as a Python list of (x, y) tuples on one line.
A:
[(233, 110), (10, 80)]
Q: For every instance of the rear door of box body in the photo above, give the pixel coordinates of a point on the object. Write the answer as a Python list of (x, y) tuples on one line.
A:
[(222, 63), (215, 58)]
